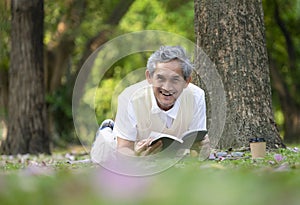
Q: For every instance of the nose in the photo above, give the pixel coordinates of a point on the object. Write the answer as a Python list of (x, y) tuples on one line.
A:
[(167, 85)]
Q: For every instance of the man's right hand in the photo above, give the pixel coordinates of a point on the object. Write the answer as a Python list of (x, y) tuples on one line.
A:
[(142, 148)]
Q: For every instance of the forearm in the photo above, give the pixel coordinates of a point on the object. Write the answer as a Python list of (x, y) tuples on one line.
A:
[(125, 147), (126, 151)]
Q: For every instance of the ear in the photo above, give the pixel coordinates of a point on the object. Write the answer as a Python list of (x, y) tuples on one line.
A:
[(188, 80), (148, 76)]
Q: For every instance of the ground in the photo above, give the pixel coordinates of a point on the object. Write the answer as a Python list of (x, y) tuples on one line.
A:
[(68, 177)]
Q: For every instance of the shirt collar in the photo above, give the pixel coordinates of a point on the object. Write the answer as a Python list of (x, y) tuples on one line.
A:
[(155, 109)]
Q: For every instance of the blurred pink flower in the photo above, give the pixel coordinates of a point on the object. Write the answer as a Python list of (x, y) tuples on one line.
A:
[(120, 187), (278, 157)]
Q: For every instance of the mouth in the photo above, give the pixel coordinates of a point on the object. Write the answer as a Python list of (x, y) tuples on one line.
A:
[(165, 93)]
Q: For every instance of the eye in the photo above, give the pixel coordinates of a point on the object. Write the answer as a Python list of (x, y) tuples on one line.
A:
[(175, 80), (160, 78)]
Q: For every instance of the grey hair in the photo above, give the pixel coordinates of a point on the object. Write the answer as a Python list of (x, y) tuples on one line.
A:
[(168, 53)]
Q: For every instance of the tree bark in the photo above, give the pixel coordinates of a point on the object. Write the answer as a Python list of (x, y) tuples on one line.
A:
[(27, 130), (232, 34)]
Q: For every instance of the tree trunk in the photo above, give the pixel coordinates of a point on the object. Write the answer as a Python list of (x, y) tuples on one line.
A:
[(232, 34), (27, 130)]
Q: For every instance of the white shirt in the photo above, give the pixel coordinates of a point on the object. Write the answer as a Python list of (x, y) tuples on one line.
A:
[(125, 123)]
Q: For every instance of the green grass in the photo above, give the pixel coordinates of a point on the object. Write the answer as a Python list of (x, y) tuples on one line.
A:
[(52, 180)]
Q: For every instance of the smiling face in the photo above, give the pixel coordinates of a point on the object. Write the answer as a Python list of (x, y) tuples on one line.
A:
[(168, 83)]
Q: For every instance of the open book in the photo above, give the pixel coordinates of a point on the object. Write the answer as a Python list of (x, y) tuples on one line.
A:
[(184, 142)]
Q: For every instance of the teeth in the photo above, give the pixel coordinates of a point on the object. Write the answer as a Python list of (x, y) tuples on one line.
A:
[(166, 94)]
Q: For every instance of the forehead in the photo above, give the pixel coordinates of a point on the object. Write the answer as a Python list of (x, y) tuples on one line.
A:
[(172, 68)]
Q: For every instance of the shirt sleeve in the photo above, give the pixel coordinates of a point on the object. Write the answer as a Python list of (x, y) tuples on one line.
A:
[(126, 121), (199, 114)]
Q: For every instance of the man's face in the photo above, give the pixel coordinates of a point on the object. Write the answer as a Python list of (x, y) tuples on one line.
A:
[(168, 83)]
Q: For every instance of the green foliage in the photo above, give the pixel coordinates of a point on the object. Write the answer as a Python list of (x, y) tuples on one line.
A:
[(53, 13), (172, 16), (103, 100), (277, 45), (4, 35), (289, 13), (61, 108), (142, 15), (115, 80)]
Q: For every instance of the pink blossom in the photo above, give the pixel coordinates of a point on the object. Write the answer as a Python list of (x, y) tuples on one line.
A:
[(278, 157)]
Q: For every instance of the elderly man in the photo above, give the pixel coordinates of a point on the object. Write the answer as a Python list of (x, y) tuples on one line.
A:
[(166, 102)]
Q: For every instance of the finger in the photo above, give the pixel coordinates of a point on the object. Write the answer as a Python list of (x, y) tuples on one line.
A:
[(205, 141), (146, 152), (157, 149), (157, 144), (147, 141), (141, 146)]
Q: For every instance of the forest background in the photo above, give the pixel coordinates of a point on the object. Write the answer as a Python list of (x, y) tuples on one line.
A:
[(73, 29)]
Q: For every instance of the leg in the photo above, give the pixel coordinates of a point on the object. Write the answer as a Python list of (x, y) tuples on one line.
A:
[(105, 143)]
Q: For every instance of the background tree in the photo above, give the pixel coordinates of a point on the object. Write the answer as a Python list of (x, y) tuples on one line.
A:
[(96, 23), (232, 34), (75, 28), (27, 127), (4, 64), (81, 26), (283, 43)]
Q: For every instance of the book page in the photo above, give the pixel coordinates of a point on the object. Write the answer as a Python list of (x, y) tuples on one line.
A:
[(166, 138)]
